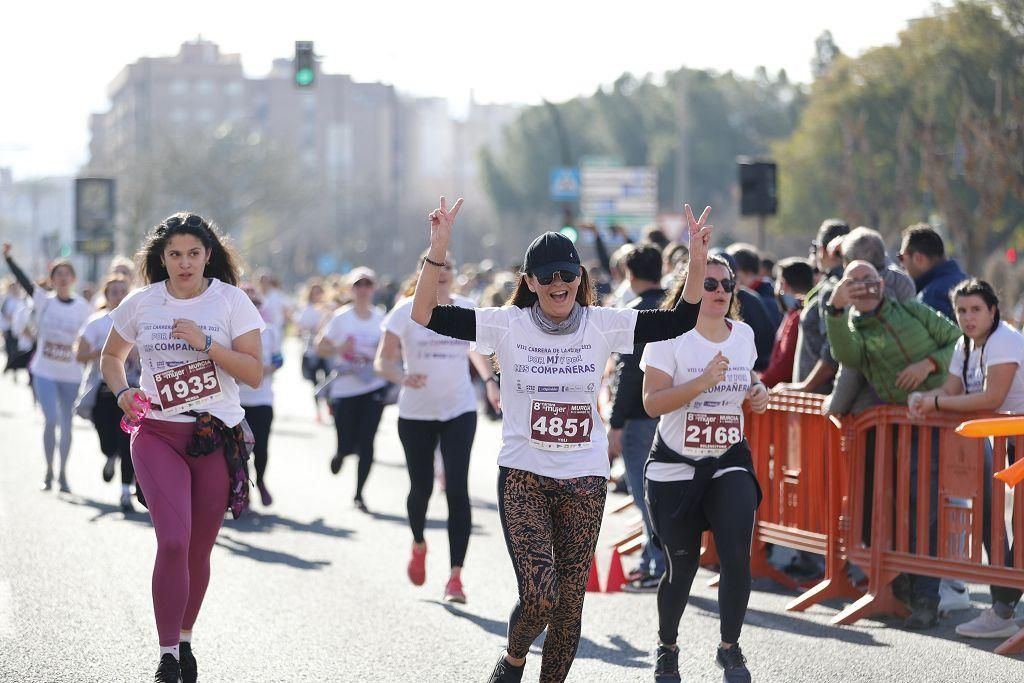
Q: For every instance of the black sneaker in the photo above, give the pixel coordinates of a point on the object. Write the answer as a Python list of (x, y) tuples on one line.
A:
[(666, 666), (734, 664), (924, 613), (108, 468), (336, 464), (169, 670), (505, 672), (189, 674), (643, 584), (360, 505)]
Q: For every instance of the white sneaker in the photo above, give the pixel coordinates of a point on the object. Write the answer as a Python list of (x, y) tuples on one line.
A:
[(952, 597), (988, 624)]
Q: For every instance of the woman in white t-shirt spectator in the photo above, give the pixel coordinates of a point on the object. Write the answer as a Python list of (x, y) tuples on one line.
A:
[(437, 405), (986, 373), (700, 473), (357, 392), (309, 322), (552, 345), (258, 403), (56, 373), (105, 414), (198, 336)]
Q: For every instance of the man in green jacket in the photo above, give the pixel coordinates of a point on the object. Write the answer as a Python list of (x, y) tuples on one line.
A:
[(900, 347)]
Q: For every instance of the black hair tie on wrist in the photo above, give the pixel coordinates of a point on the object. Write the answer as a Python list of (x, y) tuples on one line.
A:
[(433, 263)]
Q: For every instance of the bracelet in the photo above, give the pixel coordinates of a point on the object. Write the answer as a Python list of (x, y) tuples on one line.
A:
[(936, 397), (426, 259), (118, 396), (209, 344)]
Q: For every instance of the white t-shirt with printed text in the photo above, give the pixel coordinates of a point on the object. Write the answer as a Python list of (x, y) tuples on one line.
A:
[(549, 387), (448, 391), (263, 395), (223, 311), (57, 324), (1005, 345), (355, 370), (713, 421)]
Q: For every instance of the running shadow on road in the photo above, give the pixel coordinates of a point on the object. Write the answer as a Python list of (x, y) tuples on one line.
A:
[(255, 522), (621, 653), (140, 516), (430, 524), (243, 549)]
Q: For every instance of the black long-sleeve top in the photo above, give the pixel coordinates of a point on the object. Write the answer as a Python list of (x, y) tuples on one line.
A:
[(24, 280), (628, 401)]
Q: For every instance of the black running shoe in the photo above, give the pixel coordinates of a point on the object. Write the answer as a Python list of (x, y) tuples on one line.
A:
[(666, 666), (336, 464), (734, 664), (189, 673), (169, 671), (505, 672)]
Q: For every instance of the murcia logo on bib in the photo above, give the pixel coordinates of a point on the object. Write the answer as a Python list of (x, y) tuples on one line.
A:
[(558, 426)]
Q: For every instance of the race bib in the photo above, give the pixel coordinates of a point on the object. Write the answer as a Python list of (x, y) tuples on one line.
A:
[(187, 387), (711, 433), (560, 426), (60, 353)]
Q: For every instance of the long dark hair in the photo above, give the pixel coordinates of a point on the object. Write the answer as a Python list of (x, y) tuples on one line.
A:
[(675, 292), (976, 287), (522, 297), (223, 263)]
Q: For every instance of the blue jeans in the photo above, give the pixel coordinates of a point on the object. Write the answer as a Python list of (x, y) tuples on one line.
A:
[(57, 399), (637, 438)]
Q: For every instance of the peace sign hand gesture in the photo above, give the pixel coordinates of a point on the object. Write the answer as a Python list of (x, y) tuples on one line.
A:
[(441, 221), (700, 234)]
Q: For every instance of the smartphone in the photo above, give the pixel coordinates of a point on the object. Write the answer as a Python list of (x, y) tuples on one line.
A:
[(872, 288)]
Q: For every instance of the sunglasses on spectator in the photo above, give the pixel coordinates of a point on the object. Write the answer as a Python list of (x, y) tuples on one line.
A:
[(565, 276), (711, 284)]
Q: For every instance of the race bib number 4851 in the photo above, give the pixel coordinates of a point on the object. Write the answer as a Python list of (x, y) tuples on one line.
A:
[(187, 387), (560, 426), (711, 433)]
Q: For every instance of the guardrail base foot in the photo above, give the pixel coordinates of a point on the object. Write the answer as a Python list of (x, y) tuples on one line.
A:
[(828, 589), (871, 604), (1013, 646)]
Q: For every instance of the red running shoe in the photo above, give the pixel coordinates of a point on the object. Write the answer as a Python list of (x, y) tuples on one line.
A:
[(418, 565), (453, 591)]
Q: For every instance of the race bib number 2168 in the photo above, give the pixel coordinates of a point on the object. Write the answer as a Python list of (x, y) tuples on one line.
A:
[(711, 433)]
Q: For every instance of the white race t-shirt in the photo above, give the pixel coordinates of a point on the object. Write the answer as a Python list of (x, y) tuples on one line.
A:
[(145, 319), (355, 370), (57, 325), (309, 322), (275, 308), (710, 423), (1005, 345), (263, 395), (448, 391), (549, 386)]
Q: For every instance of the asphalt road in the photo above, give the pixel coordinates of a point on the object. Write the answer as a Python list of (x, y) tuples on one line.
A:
[(313, 590)]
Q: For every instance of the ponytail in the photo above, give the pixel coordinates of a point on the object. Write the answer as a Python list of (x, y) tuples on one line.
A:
[(982, 289)]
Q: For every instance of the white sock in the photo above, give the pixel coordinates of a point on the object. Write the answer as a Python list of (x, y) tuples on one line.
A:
[(185, 637), (173, 650)]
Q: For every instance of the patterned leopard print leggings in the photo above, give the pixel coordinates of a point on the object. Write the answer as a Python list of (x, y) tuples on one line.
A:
[(551, 528)]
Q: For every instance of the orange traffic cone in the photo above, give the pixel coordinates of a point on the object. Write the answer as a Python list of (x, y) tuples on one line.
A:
[(616, 577), (594, 581)]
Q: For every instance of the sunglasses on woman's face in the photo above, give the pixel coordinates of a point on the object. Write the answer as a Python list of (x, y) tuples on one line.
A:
[(711, 284), (565, 276)]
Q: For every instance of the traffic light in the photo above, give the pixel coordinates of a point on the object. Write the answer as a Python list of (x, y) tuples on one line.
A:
[(305, 63)]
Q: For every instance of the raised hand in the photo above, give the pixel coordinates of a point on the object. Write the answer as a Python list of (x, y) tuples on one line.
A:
[(7, 249), (441, 221), (700, 234)]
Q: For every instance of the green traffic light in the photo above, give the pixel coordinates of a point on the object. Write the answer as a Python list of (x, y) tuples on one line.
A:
[(304, 76)]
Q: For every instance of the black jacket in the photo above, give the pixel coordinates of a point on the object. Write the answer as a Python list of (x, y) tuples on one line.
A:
[(628, 403)]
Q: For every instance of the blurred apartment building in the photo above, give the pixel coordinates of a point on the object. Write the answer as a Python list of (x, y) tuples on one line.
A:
[(364, 162)]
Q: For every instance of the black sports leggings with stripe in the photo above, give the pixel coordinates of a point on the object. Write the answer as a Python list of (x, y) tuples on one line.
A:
[(727, 508), (551, 528), (419, 439), (356, 419)]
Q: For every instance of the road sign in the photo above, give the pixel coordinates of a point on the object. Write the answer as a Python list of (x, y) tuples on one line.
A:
[(565, 184), (619, 194), (94, 215)]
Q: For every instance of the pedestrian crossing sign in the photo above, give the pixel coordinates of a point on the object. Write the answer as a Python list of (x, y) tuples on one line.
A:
[(565, 183)]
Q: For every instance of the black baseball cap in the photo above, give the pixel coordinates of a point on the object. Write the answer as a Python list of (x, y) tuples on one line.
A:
[(550, 252)]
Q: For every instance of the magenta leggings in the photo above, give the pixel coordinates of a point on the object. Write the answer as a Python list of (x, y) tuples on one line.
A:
[(187, 498)]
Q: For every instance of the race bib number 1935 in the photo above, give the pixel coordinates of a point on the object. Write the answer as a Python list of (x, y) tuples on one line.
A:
[(560, 426), (711, 433), (187, 387)]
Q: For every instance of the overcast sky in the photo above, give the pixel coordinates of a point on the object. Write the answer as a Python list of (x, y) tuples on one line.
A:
[(57, 58)]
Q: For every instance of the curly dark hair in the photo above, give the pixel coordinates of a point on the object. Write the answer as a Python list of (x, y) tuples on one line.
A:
[(223, 263)]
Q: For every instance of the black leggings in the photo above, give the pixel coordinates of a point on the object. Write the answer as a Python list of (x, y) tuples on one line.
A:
[(114, 442), (727, 507), (259, 419), (356, 419), (419, 439), (551, 528)]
